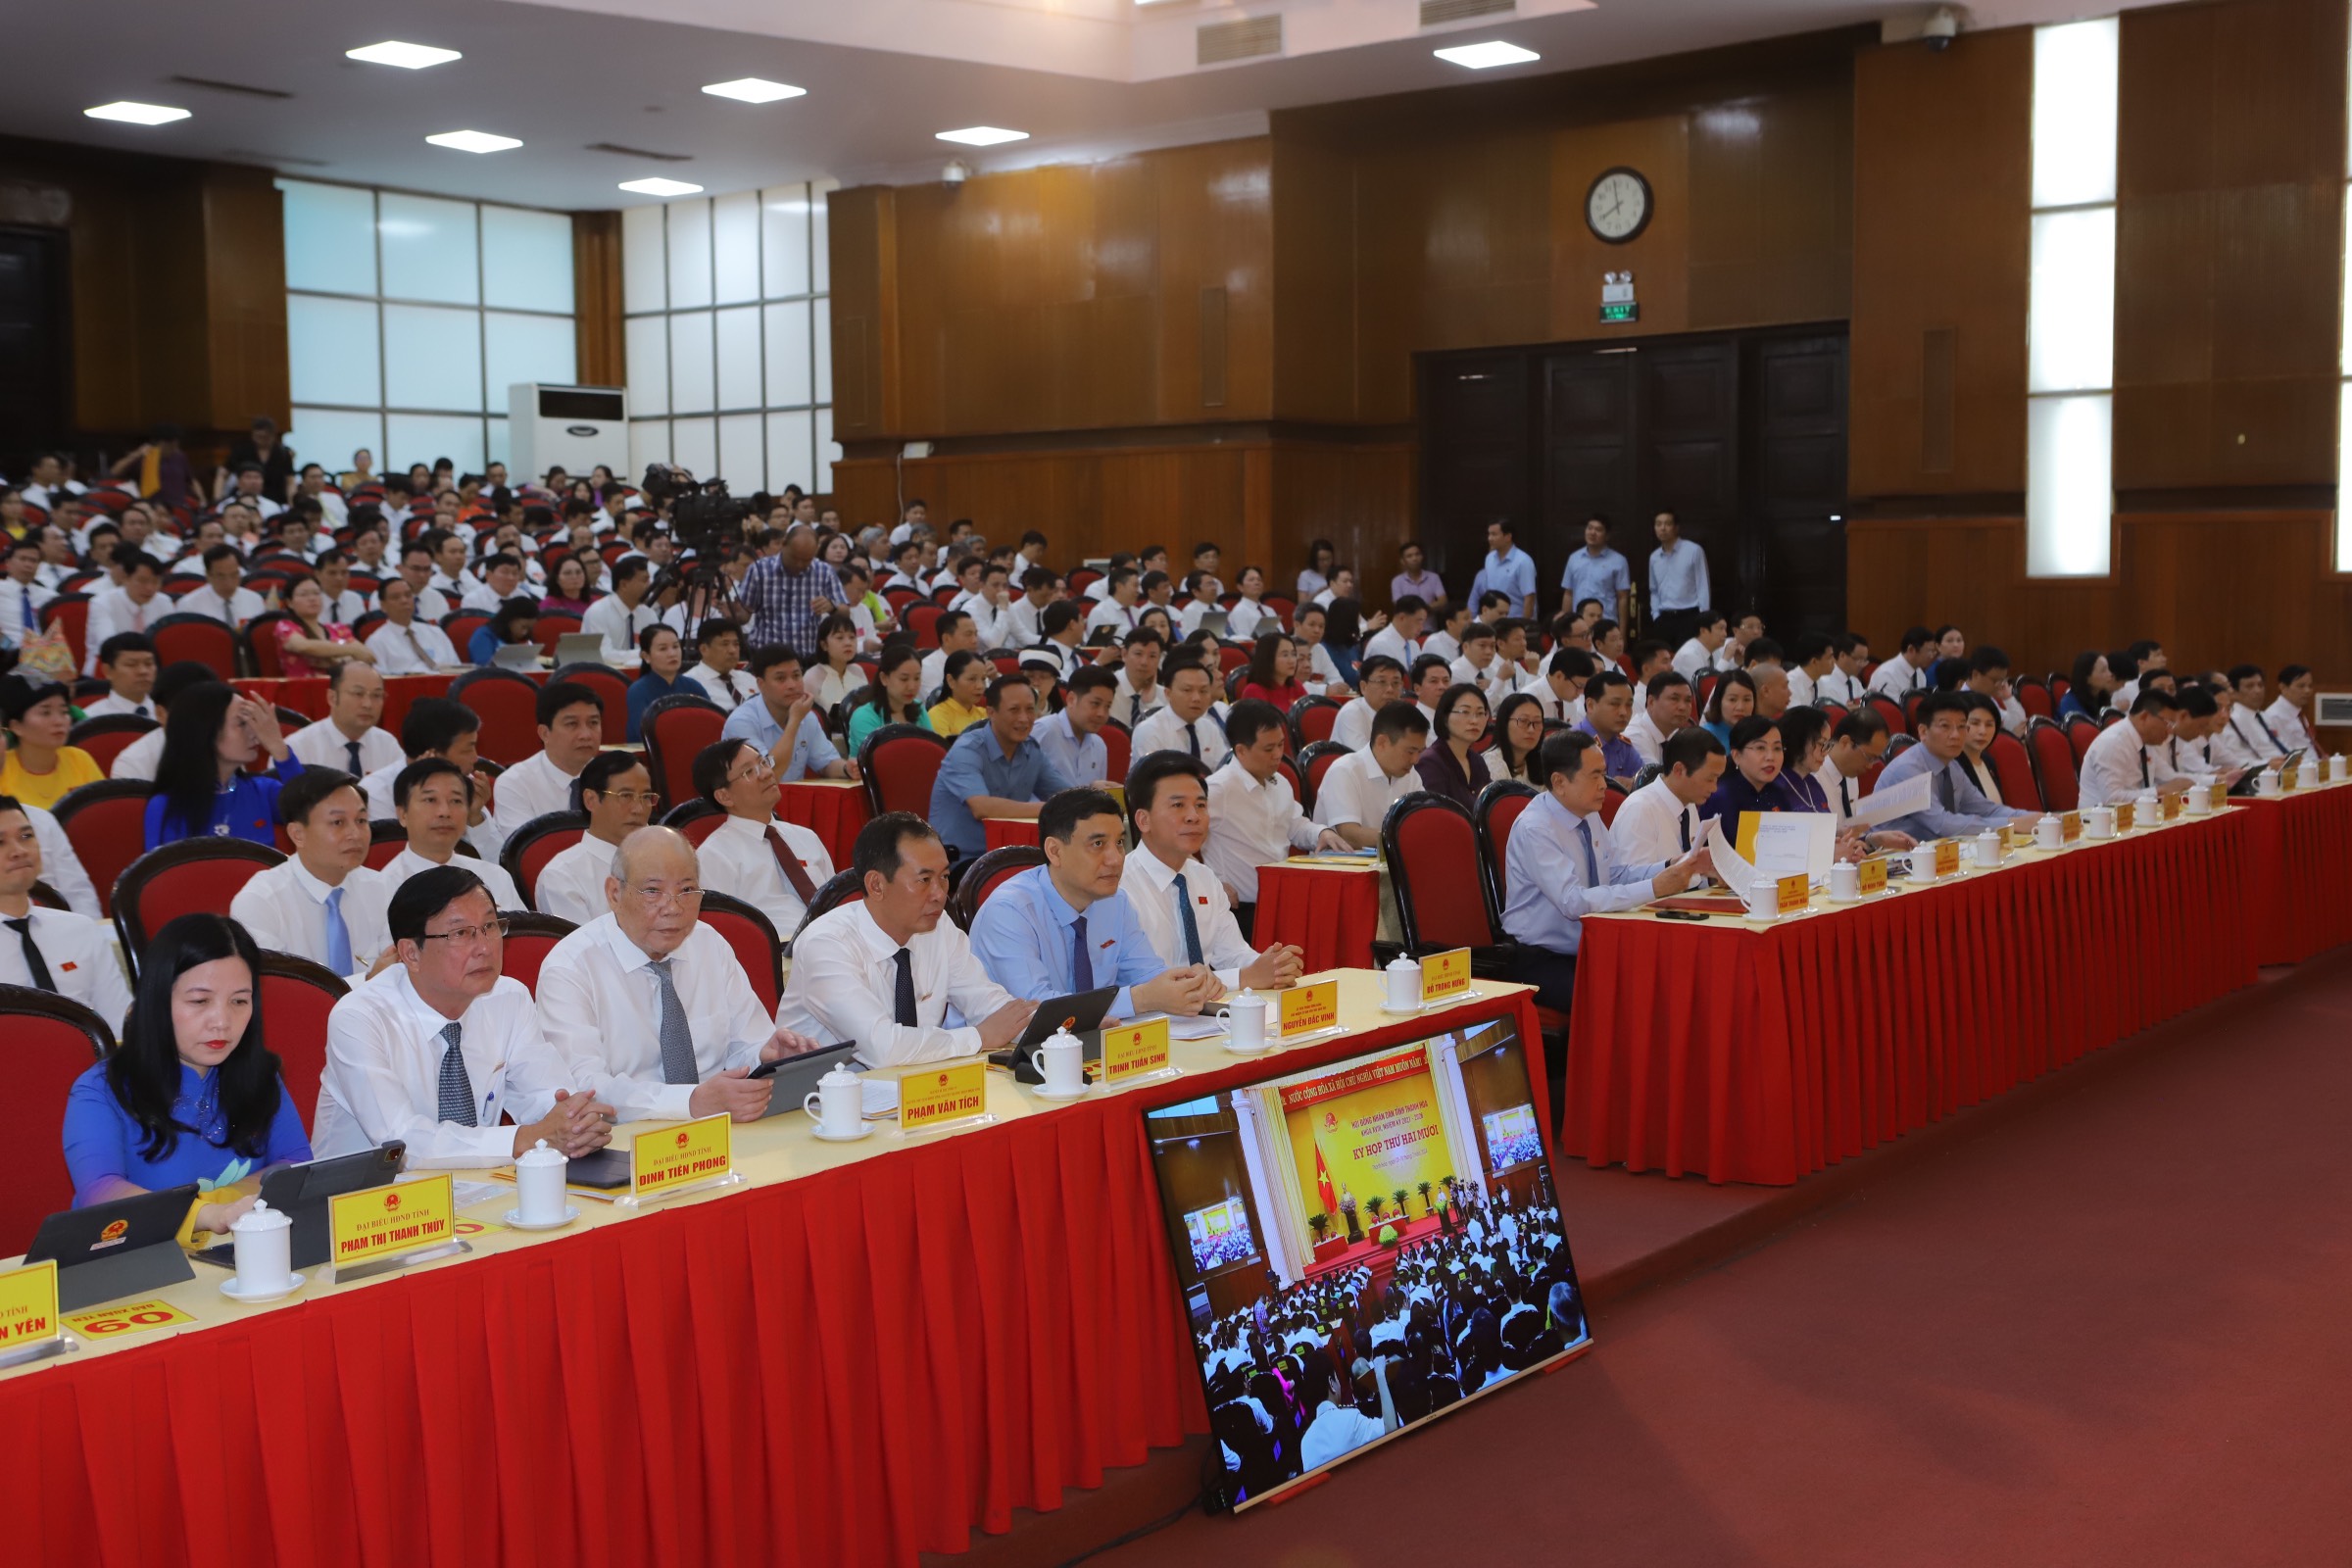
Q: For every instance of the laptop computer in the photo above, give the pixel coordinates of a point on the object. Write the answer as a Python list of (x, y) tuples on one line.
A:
[(108, 1252), (1081, 1014), (580, 648), (301, 1194), (516, 656), (1213, 622)]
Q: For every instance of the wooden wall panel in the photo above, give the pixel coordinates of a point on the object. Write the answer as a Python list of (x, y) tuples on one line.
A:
[(1659, 256), (862, 258), (602, 343), (1316, 221), (244, 307)]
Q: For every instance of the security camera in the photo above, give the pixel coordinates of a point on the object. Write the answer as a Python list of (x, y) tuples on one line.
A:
[(957, 172), (1940, 28)]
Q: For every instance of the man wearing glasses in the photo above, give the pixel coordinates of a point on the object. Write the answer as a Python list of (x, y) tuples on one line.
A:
[(437, 1047), (650, 1008), (616, 793), (774, 867)]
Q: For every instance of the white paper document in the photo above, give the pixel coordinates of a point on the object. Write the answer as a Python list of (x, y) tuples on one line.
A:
[(1730, 868), (1898, 800), (1790, 842)]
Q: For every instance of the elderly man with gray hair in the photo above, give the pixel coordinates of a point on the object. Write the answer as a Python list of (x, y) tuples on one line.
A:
[(652, 1007)]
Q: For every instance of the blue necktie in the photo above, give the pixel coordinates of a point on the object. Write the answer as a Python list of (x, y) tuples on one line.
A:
[(1081, 962), (2272, 734), (338, 935), (1192, 927), (456, 1084), (1584, 831)]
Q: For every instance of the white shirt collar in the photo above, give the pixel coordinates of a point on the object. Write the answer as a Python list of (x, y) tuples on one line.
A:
[(312, 887), (1156, 870)]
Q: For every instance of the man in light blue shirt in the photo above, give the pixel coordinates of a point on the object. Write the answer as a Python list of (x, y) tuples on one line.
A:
[(1955, 806), (1678, 583), (781, 720), (1065, 927), (1073, 738), (1597, 572), (1508, 569), (1562, 866), (994, 769)]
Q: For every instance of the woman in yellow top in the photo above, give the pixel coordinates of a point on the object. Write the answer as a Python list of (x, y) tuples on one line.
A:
[(966, 702), (42, 767)]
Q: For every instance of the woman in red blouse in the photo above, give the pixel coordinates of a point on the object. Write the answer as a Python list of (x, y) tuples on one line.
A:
[(308, 646), (1274, 672)]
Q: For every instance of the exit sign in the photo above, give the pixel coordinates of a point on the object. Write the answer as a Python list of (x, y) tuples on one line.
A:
[(1617, 303), (1628, 312)]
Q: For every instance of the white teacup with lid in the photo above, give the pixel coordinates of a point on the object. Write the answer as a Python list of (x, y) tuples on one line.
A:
[(539, 1174), (1404, 984), (838, 1103), (264, 1242), (1061, 1060), (2048, 832)]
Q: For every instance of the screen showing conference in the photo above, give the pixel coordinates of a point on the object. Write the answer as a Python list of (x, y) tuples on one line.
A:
[(1362, 1248)]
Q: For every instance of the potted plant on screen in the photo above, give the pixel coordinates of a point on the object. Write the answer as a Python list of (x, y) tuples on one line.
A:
[(1318, 1223), (1424, 1189), (1373, 1205), (1404, 1211)]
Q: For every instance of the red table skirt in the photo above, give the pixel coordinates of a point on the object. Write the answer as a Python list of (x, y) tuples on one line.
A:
[(850, 1368), (1333, 914), (833, 813), (1760, 1055), (1005, 830), (2295, 878)]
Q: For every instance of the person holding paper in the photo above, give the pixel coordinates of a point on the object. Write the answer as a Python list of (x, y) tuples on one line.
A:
[(1857, 743), (1955, 806), (1177, 900), (1660, 820), (2135, 754)]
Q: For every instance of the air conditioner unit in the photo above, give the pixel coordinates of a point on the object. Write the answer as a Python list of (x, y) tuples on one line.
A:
[(569, 427), (2332, 709)]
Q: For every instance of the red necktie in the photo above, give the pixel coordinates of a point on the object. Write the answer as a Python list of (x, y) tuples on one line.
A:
[(790, 865)]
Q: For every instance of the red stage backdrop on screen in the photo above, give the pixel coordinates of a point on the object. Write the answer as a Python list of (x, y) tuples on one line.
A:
[(1371, 1129)]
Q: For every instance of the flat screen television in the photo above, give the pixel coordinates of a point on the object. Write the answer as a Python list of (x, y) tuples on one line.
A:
[(1363, 1247)]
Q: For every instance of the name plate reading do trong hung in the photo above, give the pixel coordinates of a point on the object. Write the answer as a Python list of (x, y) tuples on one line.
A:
[(1444, 975)]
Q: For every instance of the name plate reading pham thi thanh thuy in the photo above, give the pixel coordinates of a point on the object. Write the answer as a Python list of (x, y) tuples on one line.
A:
[(393, 1225)]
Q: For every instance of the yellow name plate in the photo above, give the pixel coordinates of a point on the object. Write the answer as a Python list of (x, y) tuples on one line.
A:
[(1874, 876), (125, 1317), (943, 1094), (1306, 1009), (2123, 816), (1794, 892), (1446, 974), (2171, 807), (2070, 827), (380, 1222), (2289, 778), (667, 1158), (28, 1305), (2221, 796), (1947, 858), (1135, 1051)]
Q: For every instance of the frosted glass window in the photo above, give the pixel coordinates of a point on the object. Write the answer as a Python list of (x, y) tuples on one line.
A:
[(497, 449), (429, 437), (790, 450), (648, 346), (821, 274), (329, 436), (743, 452), (787, 330), (2069, 486), (694, 446), (525, 348), (329, 238), (739, 357), (428, 248), (433, 358), (649, 442), (689, 254), (527, 260), (2071, 324), (735, 246), (824, 450), (784, 241), (333, 351), (691, 367), (823, 356), (641, 268), (2074, 113)]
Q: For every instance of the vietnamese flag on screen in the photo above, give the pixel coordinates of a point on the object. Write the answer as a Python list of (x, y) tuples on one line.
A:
[(1329, 1198)]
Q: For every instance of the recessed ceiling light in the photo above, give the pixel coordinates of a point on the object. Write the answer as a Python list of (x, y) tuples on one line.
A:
[(983, 135), (659, 188), (136, 114), (1487, 56), (406, 56), (755, 90), (474, 142)]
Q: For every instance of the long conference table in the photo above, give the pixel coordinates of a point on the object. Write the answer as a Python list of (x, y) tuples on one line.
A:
[(862, 1353)]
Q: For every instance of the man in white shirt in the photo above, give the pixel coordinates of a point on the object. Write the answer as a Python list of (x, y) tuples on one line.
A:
[(1179, 903), (1357, 791), (1335, 1427), (652, 1008), (1698, 655), (2289, 716), (22, 594), (436, 1048), (774, 867), (133, 607), (1450, 621), (406, 644), (127, 662), (1859, 739), (571, 730), (431, 799), (502, 580), (1849, 656), (1248, 616), (1898, 677), (990, 609), (1381, 680), (956, 634), (1190, 722), (1072, 739), (720, 642), (416, 570), (2242, 737), (1667, 711), (1138, 690), (616, 793), (1117, 609), (222, 597), (622, 614), (884, 969), (1401, 638), (450, 579), (348, 737), (1809, 660), (2134, 755), (52, 950), (1561, 691), (1027, 614), (1659, 822), (321, 903), (1989, 677), (1254, 817)]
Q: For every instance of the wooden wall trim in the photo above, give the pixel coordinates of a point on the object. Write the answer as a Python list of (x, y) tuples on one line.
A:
[(603, 343)]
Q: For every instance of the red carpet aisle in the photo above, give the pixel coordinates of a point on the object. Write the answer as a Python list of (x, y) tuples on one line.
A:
[(2109, 1332)]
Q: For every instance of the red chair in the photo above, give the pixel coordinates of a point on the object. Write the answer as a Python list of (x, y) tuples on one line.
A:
[(1911, 702), (1314, 761), (1300, 791), (386, 841), (1231, 656), (551, 628), (1081, 581), (2013, 771), (297, 994), (507, 704), (1610, 801), (2056, 772), (921, 622), (899, 763), (2034, 695), (1706, 690), (674, 729), (898, 599), (1897, 722), (537, 841), (609, 684), (753, 936), (70, 613), (107, 825), (197, 638), (461, 625), (1431, 846), (261, 643), (1118, 747), (695, 817), (1312, 719), (105, 737), (52, 1040), (1498, 807), (2080, 733), (529, 937), (194, 876), (984, 875), (1836, 712)]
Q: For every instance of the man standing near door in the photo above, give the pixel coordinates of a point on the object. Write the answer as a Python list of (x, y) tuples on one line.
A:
[(1678, 584)]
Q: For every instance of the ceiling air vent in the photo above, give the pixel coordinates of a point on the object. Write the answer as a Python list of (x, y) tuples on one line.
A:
[(1221, 42), (639, 152), (1437, 12), (240, 87)]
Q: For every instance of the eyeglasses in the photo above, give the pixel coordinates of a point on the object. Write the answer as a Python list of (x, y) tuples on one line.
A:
[(629, 796), (656, 896), (468, 935), (757, 766)]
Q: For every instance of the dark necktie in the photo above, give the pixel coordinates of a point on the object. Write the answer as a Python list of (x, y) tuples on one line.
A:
[(1946, 795), (1135, 710), (1584, 831), (34, 961), (1192, 927), (903, 1001), (2143, 767), (2268, 732), (678, 1065), (1682, 821), (1845, 799), (790, 865), (1192, 739), (416, 647), (1081, 962), (352, 749), (457, 1089)]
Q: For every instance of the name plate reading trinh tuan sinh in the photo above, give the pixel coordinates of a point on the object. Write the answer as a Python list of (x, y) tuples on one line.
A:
[(1446, 975), (669, 1160), (393, 1225), (1135, 1052), (1308, 1009), (944, 1096)]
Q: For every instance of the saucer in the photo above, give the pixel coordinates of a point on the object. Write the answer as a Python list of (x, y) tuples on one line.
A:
[(1404, 1013), (1042, 1093), (228, 1288), (512, 1220), (1250, 1051), (865, 1129)]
